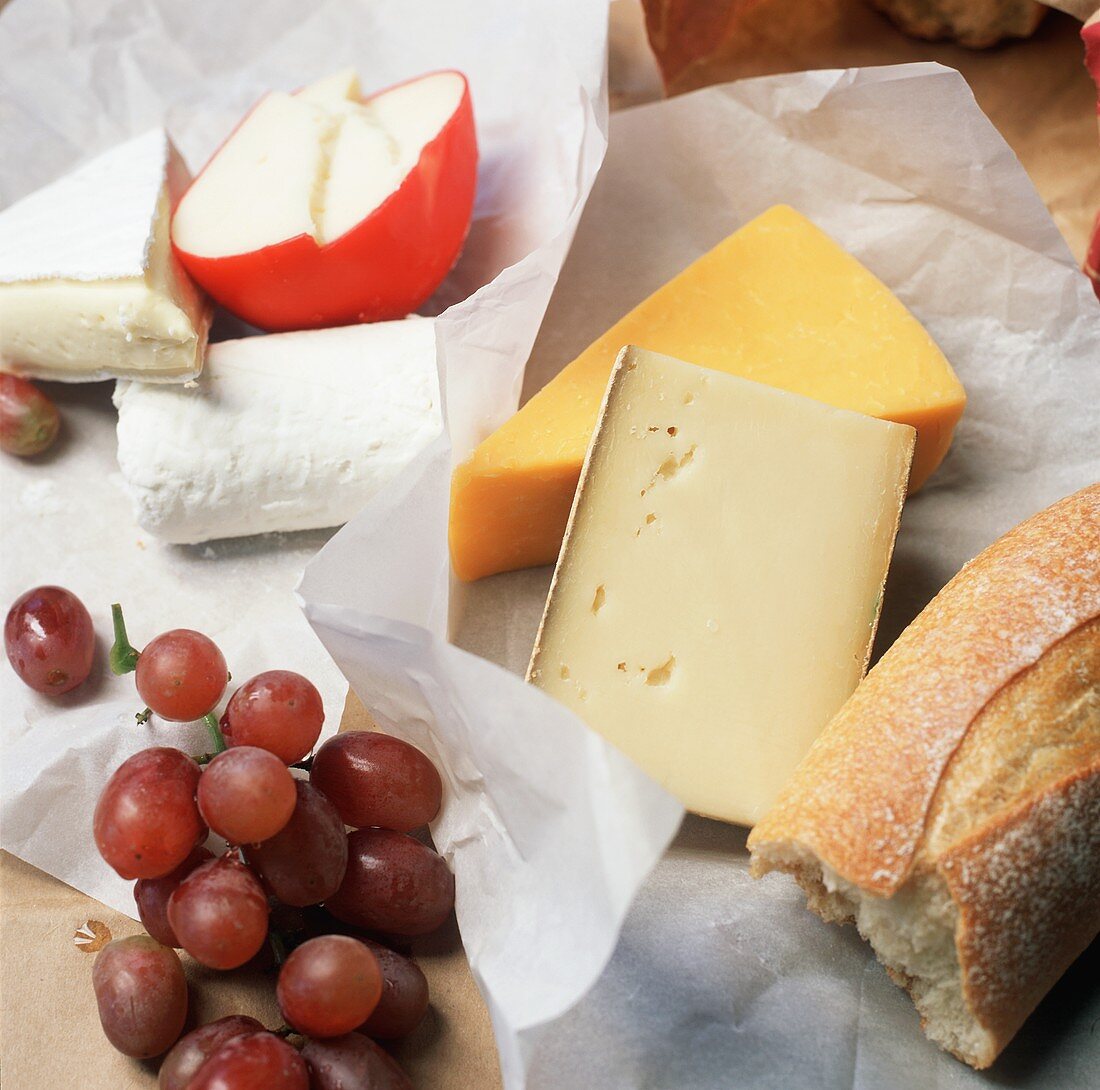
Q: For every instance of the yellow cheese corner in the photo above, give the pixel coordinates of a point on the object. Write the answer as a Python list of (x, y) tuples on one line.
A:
[(778, 302)]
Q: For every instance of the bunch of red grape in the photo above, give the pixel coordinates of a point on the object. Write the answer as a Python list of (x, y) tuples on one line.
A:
[(287, 846)]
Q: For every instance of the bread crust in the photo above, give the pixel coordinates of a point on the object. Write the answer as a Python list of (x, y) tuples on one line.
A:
[(971, 752), (861, 797), (1027, 888)]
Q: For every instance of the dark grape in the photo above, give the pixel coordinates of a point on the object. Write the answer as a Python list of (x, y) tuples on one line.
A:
[(393, 884), (192, 1051), (328, 986), (49, 638), (353, 1062), (279, 711), (141, 994), (219, 913), (29, 421), (373, 779), (151, 896), (304, 863), (404, 999), (255, 1061), (146, 821), (181, 675), (246, 795)]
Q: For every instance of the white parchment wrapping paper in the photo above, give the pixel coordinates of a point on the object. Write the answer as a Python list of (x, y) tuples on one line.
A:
[(77, 77), (718, 981)]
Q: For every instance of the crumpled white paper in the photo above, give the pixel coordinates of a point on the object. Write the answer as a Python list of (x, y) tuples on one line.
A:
[(76, 78), (718, 981)]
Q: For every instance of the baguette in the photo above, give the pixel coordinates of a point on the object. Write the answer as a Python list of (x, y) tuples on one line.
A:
[(951, 809)]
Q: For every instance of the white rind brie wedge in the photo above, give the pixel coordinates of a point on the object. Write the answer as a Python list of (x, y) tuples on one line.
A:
[(89, 286), (289, 431)]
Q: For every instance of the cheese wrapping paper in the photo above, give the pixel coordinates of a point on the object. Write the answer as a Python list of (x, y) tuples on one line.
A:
[(542, 136), (718, 981)]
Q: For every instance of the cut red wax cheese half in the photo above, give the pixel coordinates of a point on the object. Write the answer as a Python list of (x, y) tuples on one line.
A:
[(323, 208)]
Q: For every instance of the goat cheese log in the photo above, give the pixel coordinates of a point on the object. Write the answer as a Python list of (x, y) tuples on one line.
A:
[(289, 431), (951, 809)]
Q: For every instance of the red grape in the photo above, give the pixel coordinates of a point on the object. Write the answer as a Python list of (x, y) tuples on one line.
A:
[(192, 1051), (141, 994), (146, 821), (246, 795), (304, 863), (393, 884), (29, 422), (279, 711), (353, 1062), (328, 986), (404, 999), (219, 912), (181, 675), (255, 1061), (49, 639), (151, 896), (373, 779)]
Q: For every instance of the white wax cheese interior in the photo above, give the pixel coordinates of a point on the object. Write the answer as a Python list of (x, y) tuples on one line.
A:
[(89, 287), (314, 163), (718, 590), (289, 431)]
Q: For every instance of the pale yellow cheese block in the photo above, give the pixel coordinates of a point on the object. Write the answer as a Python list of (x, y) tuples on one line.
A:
[(720, 582), (778, 302)]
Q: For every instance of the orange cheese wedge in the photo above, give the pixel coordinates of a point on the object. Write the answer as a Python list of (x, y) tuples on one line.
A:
[(778, 302)]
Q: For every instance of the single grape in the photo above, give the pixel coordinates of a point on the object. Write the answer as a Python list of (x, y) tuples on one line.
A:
[(146, 821), (141, 994), (279, 711), (404, 999), (191, 1052), (49, 639), (393, 884), (304, 863), (246, 795), (181, 675), (254, 1061), (328, 986), (29, 421), (373, 779), (352, 1062), (151, 896), (219, 912)]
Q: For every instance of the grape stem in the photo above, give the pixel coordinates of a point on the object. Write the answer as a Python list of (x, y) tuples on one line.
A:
[(144, 716), (124, 656), (216, 737), (278, 952)]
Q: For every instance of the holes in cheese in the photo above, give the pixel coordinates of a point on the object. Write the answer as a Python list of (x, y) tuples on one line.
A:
[(724, 643), (778, 302)]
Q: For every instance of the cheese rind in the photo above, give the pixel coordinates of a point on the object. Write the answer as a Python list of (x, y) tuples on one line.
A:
[(719, 587), (89, 286), (315, 163), (289, 431), (778, 302)]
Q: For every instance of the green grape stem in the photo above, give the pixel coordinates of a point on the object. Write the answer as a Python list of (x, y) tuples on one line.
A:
[(216, 737), (278, 952), (124, 656)]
